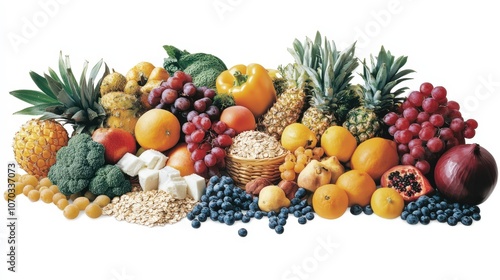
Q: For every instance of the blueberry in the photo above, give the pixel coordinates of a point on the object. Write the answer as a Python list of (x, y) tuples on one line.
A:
[(441, 218), (458, 215), (425, 220), (284, 210), (251, 213), (475, 209), (229, 220), (295, 201), (422, 201), (195, 223), (431, 200), (279, 229), (213, 205), (214, 179), (476, 216), (368, 210), (404, 214), (432, 216), (425, 211), (297, 213), (202, 217), (356, 209), (214, 215), (440, 211), (242, 232), (204, 198), (431, 207), (258, 215), (238, 216), (220, 218), (217, 187), (310, 216), (291, 209), (273, 224), (220, 194), (466, 220), (282, 222), (228, 192), (302, 220), (300, 193), (226, 206), (417, 213), (444, 204), (466, 212), (303, 203), (412, 206), (271, 213), (457, 205), (228, 199), (448, 212), (245, 219), (452, 221), (253, 206), (412, 219), (283, 216), (190, 216), (219, 202)]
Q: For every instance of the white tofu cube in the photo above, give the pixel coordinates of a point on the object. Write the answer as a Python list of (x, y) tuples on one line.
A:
[(177, 187), (148, 179), (168, 173), (154, 159), (130, 164), (195, 186)]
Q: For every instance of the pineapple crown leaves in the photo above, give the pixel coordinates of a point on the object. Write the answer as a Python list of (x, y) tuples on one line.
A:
[(380, 78), (64, 98), (294, 75), (307, 53)]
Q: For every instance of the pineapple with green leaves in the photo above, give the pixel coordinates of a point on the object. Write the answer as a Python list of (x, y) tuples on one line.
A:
[(332, 94), (64, 99), (289, 104), (379, 95), (292, 89)]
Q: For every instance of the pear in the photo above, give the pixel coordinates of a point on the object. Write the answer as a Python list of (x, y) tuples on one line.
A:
[(272, 198), (314, 175), (335, 167)]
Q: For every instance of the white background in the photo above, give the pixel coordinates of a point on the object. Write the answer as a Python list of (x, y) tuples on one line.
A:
[(448, 43)]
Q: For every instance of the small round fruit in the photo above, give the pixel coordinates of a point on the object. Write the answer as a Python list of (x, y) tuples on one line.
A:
[(81, 202), (330, 201), (28, 179), (62, 203), (34, 195), (71, 211), (387, 203), (102, 200), (57, 197), (54, 188), (47, 196), (19, 187), (93, 210), (338, 141), (27, 189)]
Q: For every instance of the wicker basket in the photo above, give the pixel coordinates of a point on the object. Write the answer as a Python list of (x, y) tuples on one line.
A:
[(243, 170)]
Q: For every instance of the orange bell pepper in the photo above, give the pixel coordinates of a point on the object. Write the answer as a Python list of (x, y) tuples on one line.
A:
[(251, 86)]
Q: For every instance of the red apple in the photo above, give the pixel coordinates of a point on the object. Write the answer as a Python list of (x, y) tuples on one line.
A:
[(116, 142)]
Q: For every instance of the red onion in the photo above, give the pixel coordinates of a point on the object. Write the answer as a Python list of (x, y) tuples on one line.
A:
[(466, 173)]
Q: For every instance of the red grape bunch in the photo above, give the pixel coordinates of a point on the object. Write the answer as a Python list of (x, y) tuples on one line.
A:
[(207, 140), (179, 95), (427, 125)]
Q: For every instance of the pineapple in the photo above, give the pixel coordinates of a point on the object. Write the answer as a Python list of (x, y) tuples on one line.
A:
[(65, 99), (365, 121), (289, 104), (332, 95), (36, 144)]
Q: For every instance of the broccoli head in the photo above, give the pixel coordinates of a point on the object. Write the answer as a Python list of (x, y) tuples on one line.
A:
[(76, 164), (109, 180)]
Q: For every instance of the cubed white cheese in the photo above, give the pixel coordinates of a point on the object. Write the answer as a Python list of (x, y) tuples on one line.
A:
[(195, 186), (148, 179), (167, 172), (154, 159), (177, 187), (130, 164)]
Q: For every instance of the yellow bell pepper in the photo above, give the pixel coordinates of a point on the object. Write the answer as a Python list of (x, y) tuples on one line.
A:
[(251, 86)]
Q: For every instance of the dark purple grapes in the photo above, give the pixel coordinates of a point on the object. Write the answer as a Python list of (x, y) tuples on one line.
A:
[(182, 103)]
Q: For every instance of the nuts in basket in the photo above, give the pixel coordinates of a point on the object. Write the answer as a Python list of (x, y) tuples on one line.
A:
[(255, 145)]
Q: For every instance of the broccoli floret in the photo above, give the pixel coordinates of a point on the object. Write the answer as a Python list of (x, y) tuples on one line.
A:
[(76, 164), (109, 180), (203, 73)]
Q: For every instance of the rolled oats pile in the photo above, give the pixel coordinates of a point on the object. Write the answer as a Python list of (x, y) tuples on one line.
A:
[(149, 208), (255, 145)]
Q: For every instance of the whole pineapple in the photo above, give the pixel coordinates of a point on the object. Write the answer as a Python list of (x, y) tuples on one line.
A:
[(66, 99), (36, 144), (332, 95), (365, 121), (289, 104)]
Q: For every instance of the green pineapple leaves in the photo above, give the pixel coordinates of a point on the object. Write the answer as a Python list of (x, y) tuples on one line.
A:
[(65, 98)]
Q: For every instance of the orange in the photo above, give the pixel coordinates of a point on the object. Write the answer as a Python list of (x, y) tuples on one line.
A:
[(338, 141), (375, 156), (330, 201), (358, 185), (297, 135), (239, 118), (179, 158), (157, 129), (387, 203)]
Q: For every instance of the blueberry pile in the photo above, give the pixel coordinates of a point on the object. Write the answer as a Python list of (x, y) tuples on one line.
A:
[(429, 208), (226, 203)]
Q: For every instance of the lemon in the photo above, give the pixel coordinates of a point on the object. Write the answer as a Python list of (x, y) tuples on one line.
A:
[(297, 135)]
